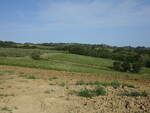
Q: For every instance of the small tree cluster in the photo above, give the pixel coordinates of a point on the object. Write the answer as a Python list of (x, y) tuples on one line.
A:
[(148, 64), (127, 67), (129, 64), (35, 55)]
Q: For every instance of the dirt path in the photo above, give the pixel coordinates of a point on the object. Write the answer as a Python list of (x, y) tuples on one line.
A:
[(48, 94)]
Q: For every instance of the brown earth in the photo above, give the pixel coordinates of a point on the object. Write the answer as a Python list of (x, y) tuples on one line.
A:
[(50, 93)]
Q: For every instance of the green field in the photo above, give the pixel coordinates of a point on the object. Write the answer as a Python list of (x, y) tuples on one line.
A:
[(55, 60), (19, 52)]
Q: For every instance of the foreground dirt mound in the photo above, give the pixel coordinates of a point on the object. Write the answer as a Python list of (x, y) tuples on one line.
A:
[(27, 91)]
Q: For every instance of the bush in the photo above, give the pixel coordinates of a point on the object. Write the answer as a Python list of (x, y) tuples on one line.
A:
[(121, 66), (28, 76), (35, 55), (113, 84), (135, 94), (91, 93), (125, 67), (117, 66), (136, 67), (100, 91), (62, 84), (80, 82), (85, 93), (147, 64)]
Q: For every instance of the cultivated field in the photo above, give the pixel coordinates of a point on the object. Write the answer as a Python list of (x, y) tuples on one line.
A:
[(26, 90)]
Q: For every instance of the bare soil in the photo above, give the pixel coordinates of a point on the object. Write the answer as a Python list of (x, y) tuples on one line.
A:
[(50, 93)]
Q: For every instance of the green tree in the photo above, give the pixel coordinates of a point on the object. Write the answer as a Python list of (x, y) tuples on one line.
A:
[(117, 66), (35, 55), (136, 67), (126, 67), (147, 64)]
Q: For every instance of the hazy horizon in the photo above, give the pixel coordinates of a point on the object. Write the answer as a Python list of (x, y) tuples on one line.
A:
[(112, 22)]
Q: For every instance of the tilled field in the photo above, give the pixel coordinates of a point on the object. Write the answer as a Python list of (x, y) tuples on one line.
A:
[(25, 90)]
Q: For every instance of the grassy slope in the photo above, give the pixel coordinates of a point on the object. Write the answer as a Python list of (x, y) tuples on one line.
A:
[(100, 64), (69, 62), (80, 59), (20, 52)]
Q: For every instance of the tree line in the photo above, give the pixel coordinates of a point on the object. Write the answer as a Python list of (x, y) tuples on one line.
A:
[(126, 59)]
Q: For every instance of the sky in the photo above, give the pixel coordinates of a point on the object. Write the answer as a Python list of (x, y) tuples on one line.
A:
[(111, 22)]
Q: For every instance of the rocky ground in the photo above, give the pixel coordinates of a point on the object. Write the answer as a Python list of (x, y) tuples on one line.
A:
[(25, 90)]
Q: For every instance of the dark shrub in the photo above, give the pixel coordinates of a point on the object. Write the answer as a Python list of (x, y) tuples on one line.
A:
[(35, 55), (147, 64), (136, 67), (88, 93), (135, 94), (117, 66), (125, 67)]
